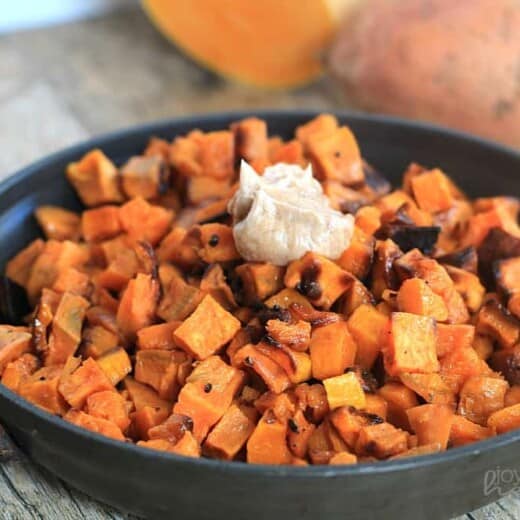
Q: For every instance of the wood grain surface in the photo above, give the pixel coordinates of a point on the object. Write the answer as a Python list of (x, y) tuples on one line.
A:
[(61, 85)]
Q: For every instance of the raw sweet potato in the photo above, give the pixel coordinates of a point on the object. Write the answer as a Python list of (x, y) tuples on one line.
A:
[(428, 68)]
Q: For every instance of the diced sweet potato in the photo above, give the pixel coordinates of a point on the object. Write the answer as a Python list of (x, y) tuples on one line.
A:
[(431, 387), (480, 396), (109, 405), (431, 423), (180, 300), (332, 350), (17, 371), (144, 176), (399, 398), (214, 282), (73, 281), (207, 394), (18, 269), (512, 395), (381, 440), (58, 223), (317, 278), (55, 257), (115, 364), (97, 340), (88, 379), (14, 341), (100, 223), (267, 444), (260, 280), (451, 337), (230, 434), (217, 154), (250, 139), (299, 433), (273, 375), (468, 286), (297, 335), (137, 305), (336, 156), (41, 389), (344, 390), (416, 297), (357, 258), (66, 329), (94, 424), (312, 399), (432, 191), (215, 243), (146, 418), (506, 419), (366, 325), (157, 337), (207, 330), (143, 396), (463, 431), (495, 321), (343, 457), (143, 221), (411, 344), (286, 298), (95, 179), (459, 365)]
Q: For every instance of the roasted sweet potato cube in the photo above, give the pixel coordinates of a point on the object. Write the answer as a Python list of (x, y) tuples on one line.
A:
[(399, 398), (207, 330), (230, 434), (55, 257), (205, 188), (495, 321), (178, 247), (296, 335), (260, 280), (343, 457), (180, 300), (250, 139), (100, 223), (463, 431), (267, 444), (368, 218), (144, 221), (332, 350), (481, 224), (506, 419), (286, 298), (344, 390), (41, 389), (381, 440), (17, 371), (468, 286), (216, 243), (109, 405), (95, 179), (184, 155), (411, 344), (214, 282), (94, 424), (217, 154), (97, 340), (322, 125), (138, 304), (290, 152), (187, 445), (14, 341), (507, 273), (146, 418), (58, 223), (451, 337), (88, 379), (144, 176), (431, 423), (480, 396), (313, 400), (317, 278), (459, 365), (268, 369), (142, 395), (299, 433), (208, 393), (116, 364), (157, 337), (431, 387), (366, 325), (416, 297), (336, 156), (357, 258), (432, 191), (18, 269), (73, 281), (66, 329)]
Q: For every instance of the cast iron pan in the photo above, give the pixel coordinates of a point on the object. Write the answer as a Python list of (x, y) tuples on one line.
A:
[(161, 485)]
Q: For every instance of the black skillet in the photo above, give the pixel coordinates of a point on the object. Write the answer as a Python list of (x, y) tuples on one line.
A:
[(161, 485)]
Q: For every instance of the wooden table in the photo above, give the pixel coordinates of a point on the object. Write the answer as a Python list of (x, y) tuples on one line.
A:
[(64, 84)]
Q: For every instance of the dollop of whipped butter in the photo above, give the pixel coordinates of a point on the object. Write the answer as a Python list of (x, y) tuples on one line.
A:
[(281, 215)]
